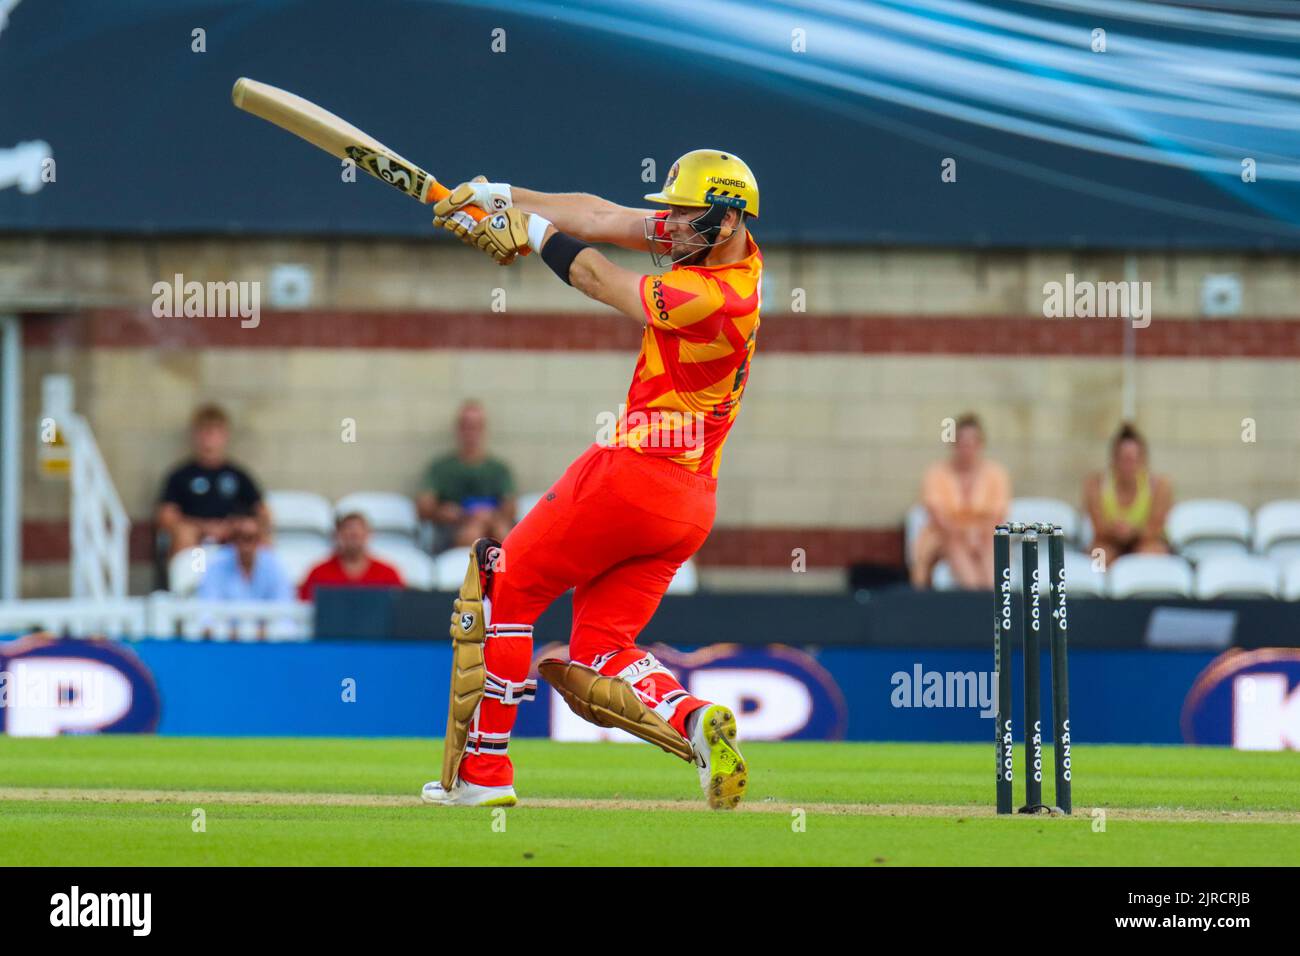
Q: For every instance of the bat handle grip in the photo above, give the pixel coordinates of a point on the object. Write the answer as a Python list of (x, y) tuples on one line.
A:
[(438, 191)]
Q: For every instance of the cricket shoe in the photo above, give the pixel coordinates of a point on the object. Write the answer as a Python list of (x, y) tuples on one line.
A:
[(466, 794), (723, 773)]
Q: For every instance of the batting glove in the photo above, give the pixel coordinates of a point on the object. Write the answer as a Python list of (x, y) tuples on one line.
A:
[(502, 235), (490, 197)]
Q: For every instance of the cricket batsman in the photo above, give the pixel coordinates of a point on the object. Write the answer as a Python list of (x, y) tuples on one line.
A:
[(625, 515)]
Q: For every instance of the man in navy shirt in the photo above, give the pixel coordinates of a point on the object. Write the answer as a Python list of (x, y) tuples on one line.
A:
[(200, 495)]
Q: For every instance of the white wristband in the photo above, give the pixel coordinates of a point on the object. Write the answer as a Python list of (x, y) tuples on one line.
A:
[(537, 227)]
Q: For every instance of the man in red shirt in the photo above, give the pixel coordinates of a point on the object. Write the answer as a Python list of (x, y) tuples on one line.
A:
[(351, 564)]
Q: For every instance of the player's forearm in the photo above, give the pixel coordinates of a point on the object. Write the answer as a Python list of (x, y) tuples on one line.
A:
[(581, 215)]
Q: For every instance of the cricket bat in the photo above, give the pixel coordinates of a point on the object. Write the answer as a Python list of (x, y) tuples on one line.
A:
[(340, 138)]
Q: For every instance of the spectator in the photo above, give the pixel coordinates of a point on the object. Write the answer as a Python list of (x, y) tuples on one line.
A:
[(1127, 504), (964, 497), (351, 564), (200, 495), (469, 493), (246, 569)]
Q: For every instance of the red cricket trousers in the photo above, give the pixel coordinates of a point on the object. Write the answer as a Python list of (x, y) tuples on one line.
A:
[(616, 527)]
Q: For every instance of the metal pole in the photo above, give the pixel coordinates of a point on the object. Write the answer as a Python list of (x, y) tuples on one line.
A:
[(1128, 373), (1033, 679), (1002, 637), (1060, 670), (11, 455)]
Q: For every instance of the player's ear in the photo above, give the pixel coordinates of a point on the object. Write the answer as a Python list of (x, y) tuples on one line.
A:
[(730, 224)]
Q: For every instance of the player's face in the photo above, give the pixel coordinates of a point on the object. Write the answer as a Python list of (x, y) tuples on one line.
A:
[(685, 240)]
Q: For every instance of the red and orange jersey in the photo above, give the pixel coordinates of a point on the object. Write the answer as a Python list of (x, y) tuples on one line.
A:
[(701, 327)]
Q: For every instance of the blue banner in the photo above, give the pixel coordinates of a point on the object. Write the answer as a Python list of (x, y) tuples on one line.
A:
[(374, 688)]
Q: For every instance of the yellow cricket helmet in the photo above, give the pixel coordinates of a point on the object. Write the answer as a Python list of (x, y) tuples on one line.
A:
[(704, 177)]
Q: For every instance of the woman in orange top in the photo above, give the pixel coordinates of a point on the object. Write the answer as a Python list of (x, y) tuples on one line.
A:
[(965, 497), (1128, 505)]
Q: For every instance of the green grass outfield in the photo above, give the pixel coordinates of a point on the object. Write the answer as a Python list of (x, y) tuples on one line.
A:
[(126, 800)]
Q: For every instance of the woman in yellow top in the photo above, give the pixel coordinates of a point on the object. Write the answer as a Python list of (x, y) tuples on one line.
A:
[(1127, 504), (964, 496)]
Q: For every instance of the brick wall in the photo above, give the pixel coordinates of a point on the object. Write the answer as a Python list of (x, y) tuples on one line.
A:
[(844, 409)]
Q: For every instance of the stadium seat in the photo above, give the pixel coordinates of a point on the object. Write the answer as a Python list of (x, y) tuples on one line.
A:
[(525, 503), (1290, 590), (913, 522), (941, 579), (1204, 527), (1277, 530), (1237, 575), (182, 579), (417, 569), (1054, 510), (300, 556), (1149, 575), (393, 519), (1081, 577), (1086, 533), (449, 569), (686, 580), (300, 516)]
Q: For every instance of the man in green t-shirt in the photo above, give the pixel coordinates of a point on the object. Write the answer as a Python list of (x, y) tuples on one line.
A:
[(469, 494)]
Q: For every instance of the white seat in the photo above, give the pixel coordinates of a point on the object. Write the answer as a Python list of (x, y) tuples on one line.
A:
[(186, 568), (1277, 529), (1208, 527), (1239, 575), (525, 503), (1081, 577), (449, 569), (1149, 575), (417, 569), (1283, 553), (297, 557), (686, 580), (1290, 590), (393, 519), (300, 516), (1051, 510), (916, 518)]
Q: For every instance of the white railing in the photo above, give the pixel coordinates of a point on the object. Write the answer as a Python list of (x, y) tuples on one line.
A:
[(162, 615), (123, 618), (195, 620), (100, 528)]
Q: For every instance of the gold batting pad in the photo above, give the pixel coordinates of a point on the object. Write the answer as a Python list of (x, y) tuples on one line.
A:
[(611, 702), (468, 672)]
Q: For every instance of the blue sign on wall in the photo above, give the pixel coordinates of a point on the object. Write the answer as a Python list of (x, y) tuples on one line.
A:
[(375, 688), (1246, 699), (51, 686)]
